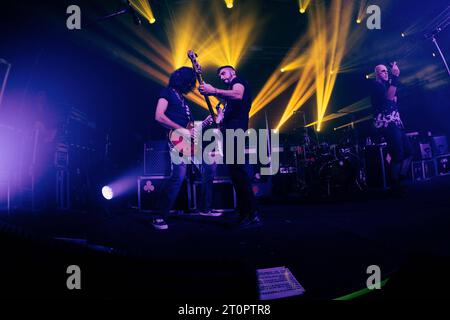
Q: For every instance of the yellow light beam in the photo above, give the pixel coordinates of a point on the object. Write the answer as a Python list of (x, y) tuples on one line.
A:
[(360, 105), (235, 33), (361, 11), (366, 118), (144, 9), (303, 91), (148, 55), (329, 45), (278, 83), (289, 111)]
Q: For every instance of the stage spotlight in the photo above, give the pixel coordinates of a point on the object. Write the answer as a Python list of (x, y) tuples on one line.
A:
[(434, 54), (144, 9), (403, 35), (229, 3), (358, 21), (302, 5), (107, 192), (367, 76), (282, 70)]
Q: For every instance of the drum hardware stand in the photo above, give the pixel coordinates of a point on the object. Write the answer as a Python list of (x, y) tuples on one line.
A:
[(300, 180)]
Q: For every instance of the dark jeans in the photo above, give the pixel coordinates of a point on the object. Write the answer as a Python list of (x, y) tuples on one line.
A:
[(208, 173), (245, 198), (400, 150), (169, 192)]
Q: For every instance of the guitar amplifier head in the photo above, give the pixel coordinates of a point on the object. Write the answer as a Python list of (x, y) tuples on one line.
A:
[(157, 159)]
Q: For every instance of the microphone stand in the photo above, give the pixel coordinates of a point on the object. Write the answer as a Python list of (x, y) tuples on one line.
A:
[(5, 79), (439, 27), (433, 38)]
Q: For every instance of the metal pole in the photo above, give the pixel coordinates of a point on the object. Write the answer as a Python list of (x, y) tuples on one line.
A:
[(5, 79), (442, 55)]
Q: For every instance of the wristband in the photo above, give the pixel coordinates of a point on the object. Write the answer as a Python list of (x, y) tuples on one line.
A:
[(395, 81)]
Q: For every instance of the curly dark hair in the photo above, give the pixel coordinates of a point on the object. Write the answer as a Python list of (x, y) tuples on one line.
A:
[(182, 79)]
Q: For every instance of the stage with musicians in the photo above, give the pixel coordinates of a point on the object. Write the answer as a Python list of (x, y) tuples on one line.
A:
[(266, 152)]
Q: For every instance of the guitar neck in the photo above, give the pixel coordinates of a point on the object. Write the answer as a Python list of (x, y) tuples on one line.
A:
[(208, 102)]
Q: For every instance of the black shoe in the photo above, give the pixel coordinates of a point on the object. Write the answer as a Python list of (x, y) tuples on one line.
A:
[(249, 222)]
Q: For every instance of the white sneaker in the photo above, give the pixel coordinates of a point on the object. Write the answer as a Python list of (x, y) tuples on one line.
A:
[(160, 224)]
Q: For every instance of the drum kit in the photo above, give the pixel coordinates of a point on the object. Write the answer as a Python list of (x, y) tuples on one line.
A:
[(325, 169)]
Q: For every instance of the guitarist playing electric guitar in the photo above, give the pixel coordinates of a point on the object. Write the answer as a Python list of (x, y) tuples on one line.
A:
[(173, 113)]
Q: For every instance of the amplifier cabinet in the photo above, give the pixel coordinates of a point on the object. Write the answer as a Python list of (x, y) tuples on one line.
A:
[(223, 195), (149, 194)]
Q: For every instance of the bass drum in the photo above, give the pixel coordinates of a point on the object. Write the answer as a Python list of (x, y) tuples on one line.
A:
[(340, 173)]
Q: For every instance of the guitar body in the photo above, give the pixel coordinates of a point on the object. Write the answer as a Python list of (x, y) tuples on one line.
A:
[(184, 146)]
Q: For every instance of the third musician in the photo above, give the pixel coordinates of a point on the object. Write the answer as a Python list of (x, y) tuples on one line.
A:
[(388, 123)]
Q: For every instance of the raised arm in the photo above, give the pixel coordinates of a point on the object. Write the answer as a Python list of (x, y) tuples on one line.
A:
[(235, 93)]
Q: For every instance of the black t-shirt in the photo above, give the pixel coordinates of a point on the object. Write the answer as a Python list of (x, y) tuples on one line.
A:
[(385, 111), (177, 109), (236, 111), (380, 103)]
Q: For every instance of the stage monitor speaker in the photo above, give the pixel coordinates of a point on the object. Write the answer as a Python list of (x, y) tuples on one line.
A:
[(440, 145), (157, 159), (443, 165), (426, 151)]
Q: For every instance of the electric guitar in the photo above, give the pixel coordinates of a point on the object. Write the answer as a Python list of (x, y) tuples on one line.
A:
[(187, 146), (184, 145)]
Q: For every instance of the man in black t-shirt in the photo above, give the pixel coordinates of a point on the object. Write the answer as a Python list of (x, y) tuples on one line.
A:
[(235, 116), (173, 113), (388, 122)]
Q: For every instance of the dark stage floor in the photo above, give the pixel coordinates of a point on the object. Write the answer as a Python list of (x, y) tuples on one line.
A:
[(327, 246)]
